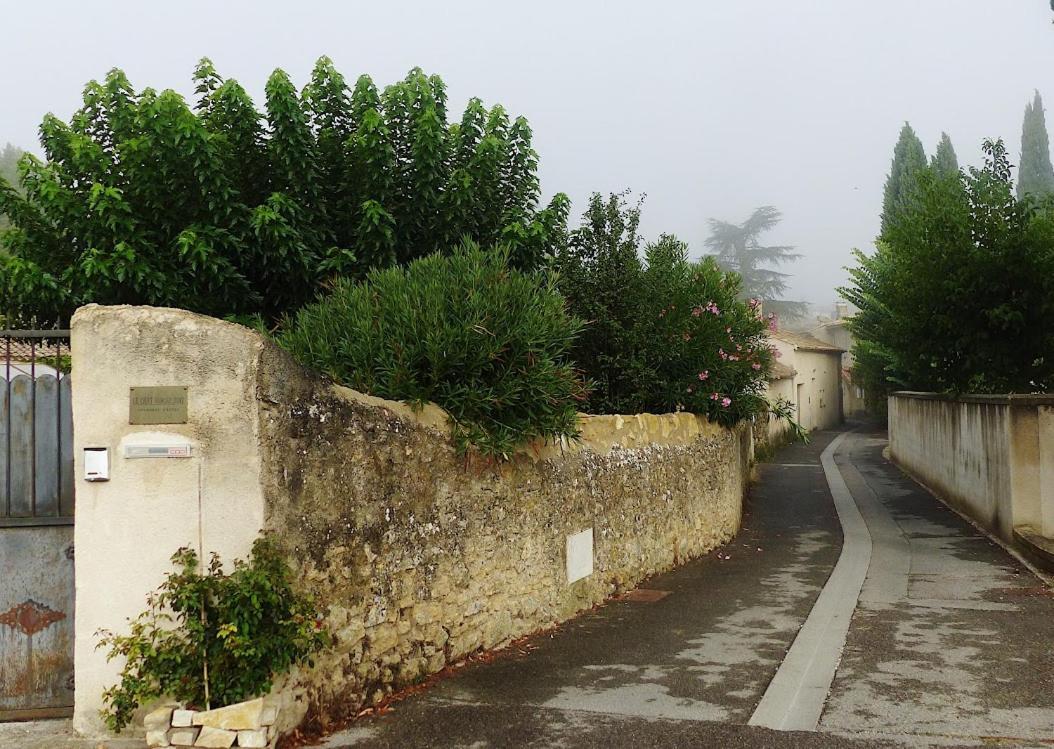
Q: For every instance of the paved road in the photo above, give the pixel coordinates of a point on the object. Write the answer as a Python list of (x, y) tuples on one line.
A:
[(950, 642)]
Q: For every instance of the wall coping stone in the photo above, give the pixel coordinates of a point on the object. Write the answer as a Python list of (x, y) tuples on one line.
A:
[(1012, 399), (600, 433)]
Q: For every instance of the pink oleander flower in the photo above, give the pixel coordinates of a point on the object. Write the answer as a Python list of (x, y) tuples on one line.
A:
[(696, 311), (756, 366), (714, 396), (733, 357), (754, 303), (704, 375), (726, 402), (773, 326), (722, 354), (728, 329)]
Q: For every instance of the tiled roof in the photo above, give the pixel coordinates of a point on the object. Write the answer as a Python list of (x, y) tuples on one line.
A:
[(805, 342), (27, 350)]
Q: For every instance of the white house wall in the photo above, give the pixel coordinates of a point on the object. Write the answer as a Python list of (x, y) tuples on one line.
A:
[(817, 385)]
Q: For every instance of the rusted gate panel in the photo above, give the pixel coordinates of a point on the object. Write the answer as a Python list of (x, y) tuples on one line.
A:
[(36, 525)]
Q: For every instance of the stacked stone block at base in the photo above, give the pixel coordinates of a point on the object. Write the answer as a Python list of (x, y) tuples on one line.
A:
[(245, 724)]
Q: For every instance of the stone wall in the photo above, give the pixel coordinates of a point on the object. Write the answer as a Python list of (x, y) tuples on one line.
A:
[(417, 556)]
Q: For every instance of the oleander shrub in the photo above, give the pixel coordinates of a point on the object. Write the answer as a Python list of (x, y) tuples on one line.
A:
[(211, 638), (665, 334), (488, 343)]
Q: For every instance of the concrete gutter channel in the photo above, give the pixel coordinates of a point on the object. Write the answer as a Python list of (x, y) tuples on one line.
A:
[(796, 696)]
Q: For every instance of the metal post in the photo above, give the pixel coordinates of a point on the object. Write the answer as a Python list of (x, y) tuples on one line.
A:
[(57, 349), (32, 428), (7, 447)]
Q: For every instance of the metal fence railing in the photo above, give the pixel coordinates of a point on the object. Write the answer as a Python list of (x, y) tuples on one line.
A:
[(36, 428)]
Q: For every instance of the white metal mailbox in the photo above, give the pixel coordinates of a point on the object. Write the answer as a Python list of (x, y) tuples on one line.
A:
[(96, 464)]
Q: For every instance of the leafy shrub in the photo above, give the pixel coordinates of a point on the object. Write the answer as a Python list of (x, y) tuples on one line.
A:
[(488, 343), (666, 334), (212, 639)]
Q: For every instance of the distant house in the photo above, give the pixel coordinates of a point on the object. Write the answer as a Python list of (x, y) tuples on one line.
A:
[(816, 385), (836, 332)]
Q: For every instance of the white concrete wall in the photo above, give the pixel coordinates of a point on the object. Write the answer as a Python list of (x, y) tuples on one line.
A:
[(837, 334), (778, 389), (854, 401), (992, 457), (817, 385), (127, 528)]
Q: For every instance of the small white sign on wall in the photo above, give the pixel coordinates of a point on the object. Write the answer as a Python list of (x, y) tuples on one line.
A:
[(579, 555)]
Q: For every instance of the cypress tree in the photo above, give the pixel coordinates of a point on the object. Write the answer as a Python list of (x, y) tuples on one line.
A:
[(908, 158), (945, 162), (1035, 175)]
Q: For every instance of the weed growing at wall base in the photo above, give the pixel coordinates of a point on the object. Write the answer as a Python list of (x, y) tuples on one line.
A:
[(210, 639)]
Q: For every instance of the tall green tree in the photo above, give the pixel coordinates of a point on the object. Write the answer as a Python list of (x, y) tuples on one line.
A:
[(218, 207), (665, 334), (1035, 173), (958, 295), (600, 273), (944, 160), (737, 248), (908, 158)]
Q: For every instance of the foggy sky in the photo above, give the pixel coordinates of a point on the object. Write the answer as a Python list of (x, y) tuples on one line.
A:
[(710, 107)]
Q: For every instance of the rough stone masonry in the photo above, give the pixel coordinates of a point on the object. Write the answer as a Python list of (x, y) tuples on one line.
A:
[(421, 557)]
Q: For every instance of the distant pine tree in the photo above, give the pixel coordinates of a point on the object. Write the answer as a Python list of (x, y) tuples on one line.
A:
[(1035, 173), (908, 158), (736, 248), (944, 161)]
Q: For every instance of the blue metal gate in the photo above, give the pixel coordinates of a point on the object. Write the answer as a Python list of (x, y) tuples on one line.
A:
[(36, 525)]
